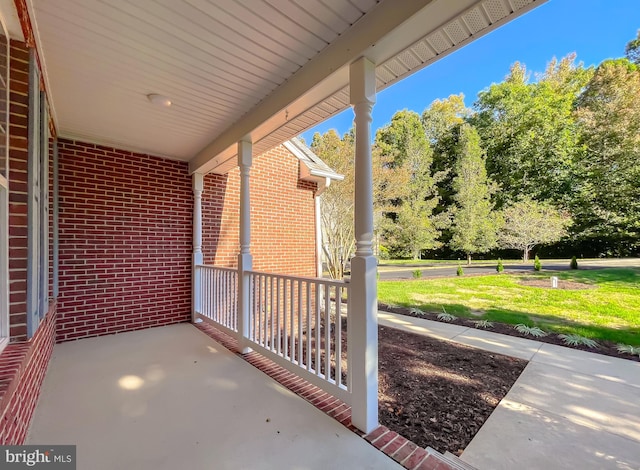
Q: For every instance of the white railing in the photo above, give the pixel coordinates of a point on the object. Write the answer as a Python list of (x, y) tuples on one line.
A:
[(301, 324), (218, 300)]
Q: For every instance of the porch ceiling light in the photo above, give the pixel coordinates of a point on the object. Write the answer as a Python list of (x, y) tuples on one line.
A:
[(159, 100)]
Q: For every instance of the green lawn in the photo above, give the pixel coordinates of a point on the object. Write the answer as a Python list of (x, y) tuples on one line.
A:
[(609, 311)]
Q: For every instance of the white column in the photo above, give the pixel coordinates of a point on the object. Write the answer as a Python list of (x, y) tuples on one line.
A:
[(245, 260), (363, 325), (198, 257)]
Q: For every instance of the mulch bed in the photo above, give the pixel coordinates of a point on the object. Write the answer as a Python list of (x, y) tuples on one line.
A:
[(438, 393), (607, 348)]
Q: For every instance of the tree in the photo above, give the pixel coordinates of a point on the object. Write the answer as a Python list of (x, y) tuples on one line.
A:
[(608, 170), (442, 121), (529, 223), (336, 201), (475, 225), (529, 130), (408, 227), (632, 51)]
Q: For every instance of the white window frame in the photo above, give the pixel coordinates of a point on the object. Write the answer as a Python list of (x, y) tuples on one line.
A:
[(4, 205), (38, 203)]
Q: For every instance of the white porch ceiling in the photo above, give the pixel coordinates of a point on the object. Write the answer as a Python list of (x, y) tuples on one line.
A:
[(263, 69)]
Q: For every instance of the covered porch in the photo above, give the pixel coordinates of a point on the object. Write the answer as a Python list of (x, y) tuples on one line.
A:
[(171, 397), (108, 225)]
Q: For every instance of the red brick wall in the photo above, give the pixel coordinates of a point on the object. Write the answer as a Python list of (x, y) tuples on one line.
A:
[(18, 120), (283, 233), (22, 363), (22, 369), (125, 241)]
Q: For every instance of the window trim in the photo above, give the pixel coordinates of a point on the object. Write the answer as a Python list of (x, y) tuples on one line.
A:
[(34, 202), (4, 208)]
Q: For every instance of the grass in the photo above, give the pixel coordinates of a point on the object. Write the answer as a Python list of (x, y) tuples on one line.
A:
[(610, 311)]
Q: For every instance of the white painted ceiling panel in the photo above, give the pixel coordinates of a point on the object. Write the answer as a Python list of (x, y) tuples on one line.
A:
[(215, 59), (220, 60)]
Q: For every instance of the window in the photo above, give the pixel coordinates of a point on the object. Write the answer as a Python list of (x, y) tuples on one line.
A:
[(4, 187), (38, 203)]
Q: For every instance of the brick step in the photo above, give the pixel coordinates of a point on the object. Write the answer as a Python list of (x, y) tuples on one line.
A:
[(454, 462)]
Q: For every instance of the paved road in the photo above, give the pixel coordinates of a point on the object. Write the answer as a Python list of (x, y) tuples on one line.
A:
[(406, 272)]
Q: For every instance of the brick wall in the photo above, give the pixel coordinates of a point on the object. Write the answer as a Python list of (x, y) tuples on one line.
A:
[(125, 241), (22, 363), (22, 369), (18, 120), (282, 216)]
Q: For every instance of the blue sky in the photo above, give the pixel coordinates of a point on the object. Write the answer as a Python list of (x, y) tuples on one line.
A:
[(593, 29)]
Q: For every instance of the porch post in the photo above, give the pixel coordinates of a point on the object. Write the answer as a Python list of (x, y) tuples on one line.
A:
[(363, 325), (245, 260), (198, 257)]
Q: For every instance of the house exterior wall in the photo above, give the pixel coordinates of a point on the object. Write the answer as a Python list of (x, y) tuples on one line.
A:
[(23, 363), (283, 236), (125, 241)]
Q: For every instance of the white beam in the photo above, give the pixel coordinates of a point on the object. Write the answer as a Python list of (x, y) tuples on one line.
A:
[(365, 33)]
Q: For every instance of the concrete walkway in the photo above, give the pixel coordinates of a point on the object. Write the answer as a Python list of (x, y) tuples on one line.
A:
[(171, 398), (568, 410)]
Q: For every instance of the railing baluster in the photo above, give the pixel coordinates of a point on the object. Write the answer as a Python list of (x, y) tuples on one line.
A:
[(272, 333), (308, 335), (278, 327), (265, 309), (327, 334), (318, 357), (338, 335), (300, 322), (292, 323), (211, 296)]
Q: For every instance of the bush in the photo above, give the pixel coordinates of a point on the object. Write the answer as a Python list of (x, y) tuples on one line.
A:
[(444, 316), (417, 274), (530, 330), (577, 340), (500, 267), (537, 265), (460, 271), (574, 263)]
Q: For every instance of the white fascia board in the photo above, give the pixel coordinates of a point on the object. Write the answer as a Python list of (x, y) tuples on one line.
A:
[(309, 85), (315, 174)]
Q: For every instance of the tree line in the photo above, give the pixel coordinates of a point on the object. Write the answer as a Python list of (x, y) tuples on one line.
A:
[(547, 160)]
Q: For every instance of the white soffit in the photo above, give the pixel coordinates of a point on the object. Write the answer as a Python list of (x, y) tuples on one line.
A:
[(215, 59), (437, 30), (260, 69)]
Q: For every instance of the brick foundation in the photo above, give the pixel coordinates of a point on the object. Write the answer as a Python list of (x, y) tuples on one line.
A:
[(22, 369)]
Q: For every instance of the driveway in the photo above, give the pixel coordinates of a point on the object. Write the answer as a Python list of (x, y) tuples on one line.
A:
[(390, 272)]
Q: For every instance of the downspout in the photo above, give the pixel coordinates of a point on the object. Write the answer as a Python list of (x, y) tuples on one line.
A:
[(321, 187), (318, 236)]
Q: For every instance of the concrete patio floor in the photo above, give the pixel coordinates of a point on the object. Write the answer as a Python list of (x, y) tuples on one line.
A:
[(171, 397), (569, 409)]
